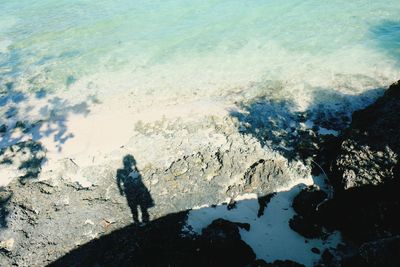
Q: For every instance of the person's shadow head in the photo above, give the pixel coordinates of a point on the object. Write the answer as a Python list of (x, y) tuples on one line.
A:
[(129, 162), (130, 185)]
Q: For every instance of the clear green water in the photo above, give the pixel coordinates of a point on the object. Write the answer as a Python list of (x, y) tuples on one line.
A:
[(197, 44)]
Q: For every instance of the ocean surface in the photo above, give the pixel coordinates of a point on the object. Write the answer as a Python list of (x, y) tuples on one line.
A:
[(84, 67), (204, 47)]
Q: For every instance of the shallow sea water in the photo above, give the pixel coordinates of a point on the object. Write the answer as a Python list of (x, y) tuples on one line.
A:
[(203, 47)]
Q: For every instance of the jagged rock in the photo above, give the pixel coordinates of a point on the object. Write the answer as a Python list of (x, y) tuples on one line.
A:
[(263, 202), (221, 245), (366, 174), (277, 263), (3, 128), (364, 169), (327, 256), (369, 150), (306, 204), (365, 213), (383, 252), (305, 226), (307, 201), (315, 250), (286, 263), (264, 175)]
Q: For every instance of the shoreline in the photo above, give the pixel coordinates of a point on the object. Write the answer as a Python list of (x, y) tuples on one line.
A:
[(82, 126), (183, 160)]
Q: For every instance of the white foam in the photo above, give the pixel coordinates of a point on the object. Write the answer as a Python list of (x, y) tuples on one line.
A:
[(4, 44), (325, 131)]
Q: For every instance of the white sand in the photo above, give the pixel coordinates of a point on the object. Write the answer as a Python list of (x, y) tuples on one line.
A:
[(270, 236), (96, 134)]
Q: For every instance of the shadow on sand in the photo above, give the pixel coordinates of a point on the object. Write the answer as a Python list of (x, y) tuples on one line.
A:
[(21, 136)]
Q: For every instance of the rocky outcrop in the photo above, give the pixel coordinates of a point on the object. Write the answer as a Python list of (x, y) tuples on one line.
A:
[(306, 205), (382, 252), (365, 213), (262, 177), (277, 263), (369, 150), (221, 245), (364, 170)]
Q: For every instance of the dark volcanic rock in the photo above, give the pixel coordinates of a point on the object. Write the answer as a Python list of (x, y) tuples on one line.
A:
[(286, 263), (221, 245), (263, 202), (306, 204), (364, 213), (384, 252), (365, 173), (277, 263), (307, 201), (327, 256), (161, 243), (369, 150), (305, 226), (364, 169), (316, 250), (3, 128)]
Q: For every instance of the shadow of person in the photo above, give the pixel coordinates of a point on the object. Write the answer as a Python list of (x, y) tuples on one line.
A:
[(130, 185)]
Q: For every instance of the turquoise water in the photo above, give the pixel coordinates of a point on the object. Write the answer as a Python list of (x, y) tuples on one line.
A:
[(197, 44)]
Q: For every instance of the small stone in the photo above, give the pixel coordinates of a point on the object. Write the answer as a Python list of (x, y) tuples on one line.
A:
[(65, 201), (20, 124), (315, 250), (105, 223), (3, 128), (7, 244), (89, 222), (110, 220)]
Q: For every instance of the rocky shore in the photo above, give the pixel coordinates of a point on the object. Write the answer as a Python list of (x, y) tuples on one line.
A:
[(363, 168), (130, 214)]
